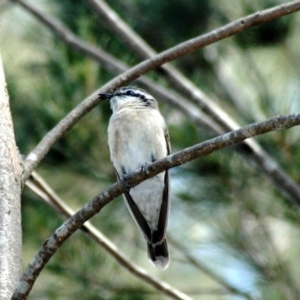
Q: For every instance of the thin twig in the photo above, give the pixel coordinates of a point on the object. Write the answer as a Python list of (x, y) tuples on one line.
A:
[(41, 188), (177, 79), (50, 247), (263, 162), (72, 118), (116, 67)]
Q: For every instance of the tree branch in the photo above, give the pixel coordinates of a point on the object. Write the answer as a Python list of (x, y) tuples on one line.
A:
[(10, 198), (42, 189), (96, 204), (178, 81), (116, 67), (89, 103)]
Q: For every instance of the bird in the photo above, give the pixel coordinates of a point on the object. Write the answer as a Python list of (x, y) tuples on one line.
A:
[(138, 135)]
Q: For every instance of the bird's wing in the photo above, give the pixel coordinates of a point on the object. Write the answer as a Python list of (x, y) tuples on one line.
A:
[(167, 137), (159, 234), (137, 215)]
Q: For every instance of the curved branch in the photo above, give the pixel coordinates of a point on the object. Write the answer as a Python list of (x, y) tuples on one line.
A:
[(177, 79), (116, 66), (96, 204), (34, 158), (42, 189), (259, 158)]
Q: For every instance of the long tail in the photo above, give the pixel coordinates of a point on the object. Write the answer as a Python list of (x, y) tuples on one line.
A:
[(158, 253)]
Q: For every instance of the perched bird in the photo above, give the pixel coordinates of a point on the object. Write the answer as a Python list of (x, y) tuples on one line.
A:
[(137, 135)]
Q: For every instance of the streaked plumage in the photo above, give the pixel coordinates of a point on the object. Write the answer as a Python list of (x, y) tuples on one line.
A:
[(137, 135)]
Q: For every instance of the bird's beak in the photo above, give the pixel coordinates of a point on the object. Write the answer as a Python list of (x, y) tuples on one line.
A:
[(105, 96)]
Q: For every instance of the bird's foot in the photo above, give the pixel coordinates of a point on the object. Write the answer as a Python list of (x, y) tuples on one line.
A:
[(125, 181), (144, 168)]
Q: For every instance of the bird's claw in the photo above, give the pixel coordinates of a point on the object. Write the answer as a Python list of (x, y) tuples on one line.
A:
[(125, 181), (144, 168)]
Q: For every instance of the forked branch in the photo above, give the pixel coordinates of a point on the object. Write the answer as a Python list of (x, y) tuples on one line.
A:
[(35, 157), (96, 204)]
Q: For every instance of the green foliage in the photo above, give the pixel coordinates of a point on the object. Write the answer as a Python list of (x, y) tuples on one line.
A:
[(218, 202)]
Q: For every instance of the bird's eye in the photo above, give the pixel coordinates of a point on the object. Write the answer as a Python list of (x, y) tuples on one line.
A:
[(129, 93)]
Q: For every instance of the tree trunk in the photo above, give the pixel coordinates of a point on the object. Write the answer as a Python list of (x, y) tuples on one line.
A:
[(10, 207)]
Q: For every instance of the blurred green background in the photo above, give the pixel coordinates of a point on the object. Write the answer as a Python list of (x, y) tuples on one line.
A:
[(225, 215)]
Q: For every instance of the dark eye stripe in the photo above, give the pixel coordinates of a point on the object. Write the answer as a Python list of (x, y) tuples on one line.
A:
[(130, 93)]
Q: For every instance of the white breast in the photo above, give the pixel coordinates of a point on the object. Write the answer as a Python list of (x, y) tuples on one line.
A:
[(136, 137)]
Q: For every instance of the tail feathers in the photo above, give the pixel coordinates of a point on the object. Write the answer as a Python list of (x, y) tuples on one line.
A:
[(158, 253)]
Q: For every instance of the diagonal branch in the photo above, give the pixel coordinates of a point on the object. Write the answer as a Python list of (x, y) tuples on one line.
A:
[(41, 188), (116, 66), (35, 157), (257, 156), (50, 247), (177, 79)]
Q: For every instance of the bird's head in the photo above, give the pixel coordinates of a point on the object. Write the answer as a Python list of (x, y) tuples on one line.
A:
[(129, 96)]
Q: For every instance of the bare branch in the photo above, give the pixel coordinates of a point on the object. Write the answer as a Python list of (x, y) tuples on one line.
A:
[(41, 188), (177, 80), (89, 103), (10, 194), (116, 67), (137, 45), (251, 150), (72, 41), (96, 204)]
